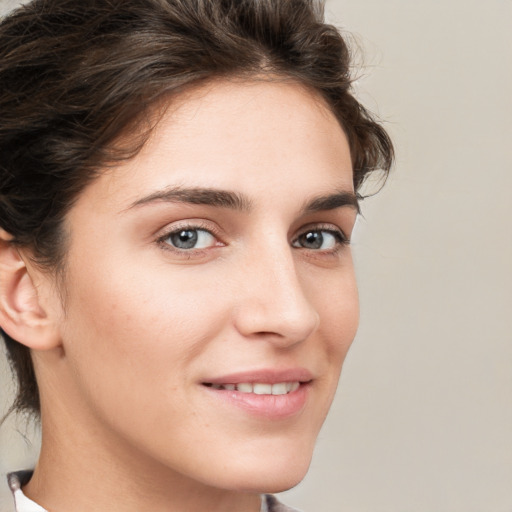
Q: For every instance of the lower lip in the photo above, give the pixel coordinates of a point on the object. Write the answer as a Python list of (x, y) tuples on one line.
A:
[(265, 406)]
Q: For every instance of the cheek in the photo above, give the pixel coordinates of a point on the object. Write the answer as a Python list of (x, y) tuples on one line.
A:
[(338, 307), (130, 324), (336, 300)]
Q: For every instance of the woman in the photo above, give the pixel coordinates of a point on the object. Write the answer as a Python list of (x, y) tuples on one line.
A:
[(179, 182)]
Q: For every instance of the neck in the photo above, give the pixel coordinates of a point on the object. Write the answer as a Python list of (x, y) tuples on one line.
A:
[(79, 470)]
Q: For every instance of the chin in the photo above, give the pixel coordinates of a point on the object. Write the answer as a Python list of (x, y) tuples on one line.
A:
[(271, 476), (267, 484), (284, 483), (263, 463)]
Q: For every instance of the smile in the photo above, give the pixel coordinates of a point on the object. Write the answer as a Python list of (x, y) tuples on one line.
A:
[(276, 400), (257, 388)]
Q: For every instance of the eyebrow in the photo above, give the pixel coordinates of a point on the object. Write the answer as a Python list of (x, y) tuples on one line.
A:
[(332, 201), (198, 195), (236, 201)]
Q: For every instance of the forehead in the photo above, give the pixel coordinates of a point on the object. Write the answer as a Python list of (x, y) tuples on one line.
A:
[(250, 136)]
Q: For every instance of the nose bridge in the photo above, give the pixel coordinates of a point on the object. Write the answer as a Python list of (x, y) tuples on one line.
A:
[(274, 301)]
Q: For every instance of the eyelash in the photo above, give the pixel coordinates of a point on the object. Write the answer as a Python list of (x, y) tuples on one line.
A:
[(196, 226), (340, 238)]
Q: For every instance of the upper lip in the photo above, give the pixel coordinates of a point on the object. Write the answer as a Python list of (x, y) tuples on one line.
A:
[(264, 376)]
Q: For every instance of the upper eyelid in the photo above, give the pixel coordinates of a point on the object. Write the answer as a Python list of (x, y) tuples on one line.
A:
[(188, 224)]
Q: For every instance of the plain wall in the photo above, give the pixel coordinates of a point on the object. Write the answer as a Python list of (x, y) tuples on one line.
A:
[(423, 417)]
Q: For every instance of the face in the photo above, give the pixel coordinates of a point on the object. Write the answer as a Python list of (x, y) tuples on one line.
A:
[(210, 292)]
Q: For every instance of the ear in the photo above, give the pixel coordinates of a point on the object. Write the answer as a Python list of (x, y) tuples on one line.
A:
[(22, 316)]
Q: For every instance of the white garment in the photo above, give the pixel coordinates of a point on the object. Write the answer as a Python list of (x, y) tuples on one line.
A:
[(21, 502)]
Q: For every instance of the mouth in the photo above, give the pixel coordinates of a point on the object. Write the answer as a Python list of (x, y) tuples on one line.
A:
[(266, 394), (258, 388)]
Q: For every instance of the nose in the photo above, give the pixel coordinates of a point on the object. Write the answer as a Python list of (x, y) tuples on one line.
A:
[(272, 303)]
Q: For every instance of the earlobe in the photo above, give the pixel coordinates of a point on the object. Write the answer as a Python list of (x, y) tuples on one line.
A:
[(22, 316)]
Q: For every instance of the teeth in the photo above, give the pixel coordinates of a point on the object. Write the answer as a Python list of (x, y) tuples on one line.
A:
[(295, 386), (262, 389), (280, 388), (244, 388)]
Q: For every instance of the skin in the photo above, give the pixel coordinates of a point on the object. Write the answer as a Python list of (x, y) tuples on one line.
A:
[(140, 326)]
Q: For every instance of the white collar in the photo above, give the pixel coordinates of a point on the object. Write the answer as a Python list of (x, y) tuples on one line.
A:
[(21, 502)]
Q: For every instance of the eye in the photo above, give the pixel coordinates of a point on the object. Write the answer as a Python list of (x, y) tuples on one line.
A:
[(190, 238), (319, 240)]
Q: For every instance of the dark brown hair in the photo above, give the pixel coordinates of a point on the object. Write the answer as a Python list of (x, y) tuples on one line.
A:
[(76, 75)]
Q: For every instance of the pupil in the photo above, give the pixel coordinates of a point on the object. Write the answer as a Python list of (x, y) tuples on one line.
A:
[(186, 239), (313, 240)]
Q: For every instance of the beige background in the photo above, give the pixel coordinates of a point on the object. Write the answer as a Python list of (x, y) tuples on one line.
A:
[(423, 417)]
